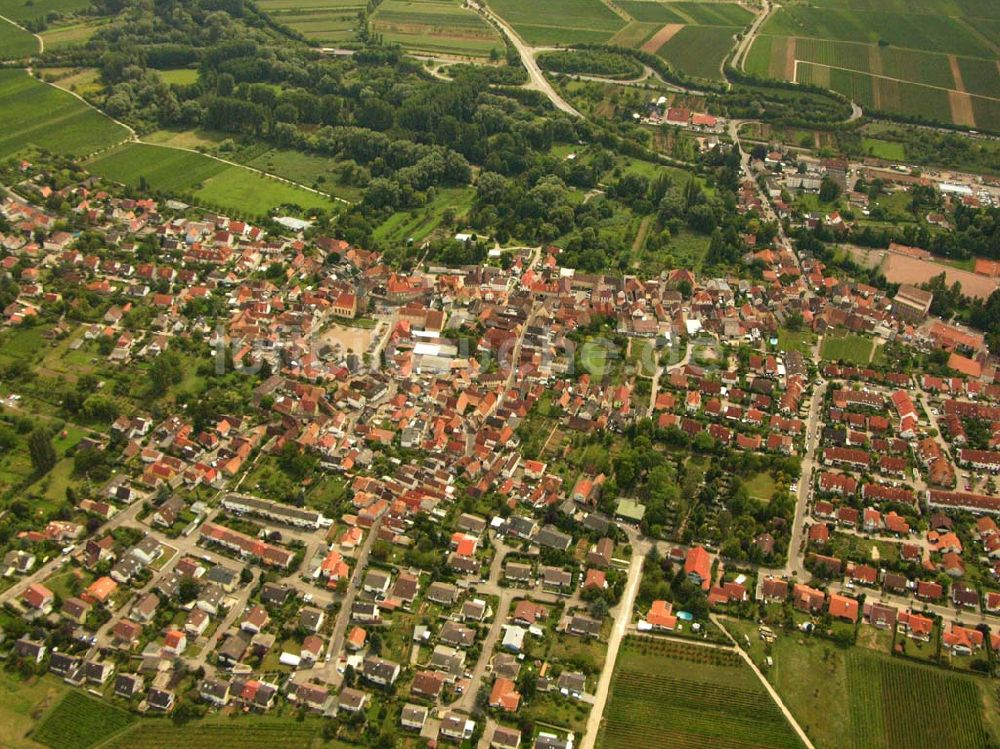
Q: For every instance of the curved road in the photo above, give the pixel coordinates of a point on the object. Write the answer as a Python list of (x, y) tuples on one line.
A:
[(537, 80), (740, 58)]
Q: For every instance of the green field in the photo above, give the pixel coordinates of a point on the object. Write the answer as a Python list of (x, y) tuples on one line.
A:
[(201, 178), (890, 59), (69, 35), (181, 76), (245, 732), (79, 722), (21, 704), (699, 50), (885, 702), (417, 224), (441, 26), (28, 10), (853, 349), (790, 340), (16, 43), (560, 21), (700, 45), (324, 21), (39, 115), (309, 169), (666, 693), (884, 149), (929, 32)]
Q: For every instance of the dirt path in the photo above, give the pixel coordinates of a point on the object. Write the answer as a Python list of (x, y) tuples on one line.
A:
[(790, 59), (767, 685), (620, 12), (961, 108), (661, 37), (956, 73), (640, 236)]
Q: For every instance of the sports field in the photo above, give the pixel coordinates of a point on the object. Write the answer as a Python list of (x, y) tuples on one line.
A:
[(436, 26), (852, 349), (669, 693), (41, 116), (202, 179), (328, 22), (934, 60)]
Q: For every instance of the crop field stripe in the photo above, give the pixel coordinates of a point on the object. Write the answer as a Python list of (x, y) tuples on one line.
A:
[(634, 35), (889, 78), (661, 37), (80, 722)]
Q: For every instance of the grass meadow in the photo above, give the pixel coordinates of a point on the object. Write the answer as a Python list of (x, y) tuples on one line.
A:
[(15, 42), (202, 179), (853, 349), (37, 115)]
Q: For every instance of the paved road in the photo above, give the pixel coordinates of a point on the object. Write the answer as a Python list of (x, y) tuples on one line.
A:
[(623, 618), (538, 81), (329, 672), (795, 558), (46, 570), (468, 700), (740, 58)]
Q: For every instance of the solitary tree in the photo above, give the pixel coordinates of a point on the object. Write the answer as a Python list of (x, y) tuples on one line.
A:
[(43, 454)]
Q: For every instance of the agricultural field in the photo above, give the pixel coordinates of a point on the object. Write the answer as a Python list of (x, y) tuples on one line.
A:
[(560, 22), (699, 50), (934, 61), (80, 722), (669, 693), (853, 349), (21, 704), (436, 27), (889, 703), (15, 42), (202, 179), (328, 22), (418, 224), (29, 10), (41, 116), (319, 172), (72, 34), (693, 37), (250, 732)]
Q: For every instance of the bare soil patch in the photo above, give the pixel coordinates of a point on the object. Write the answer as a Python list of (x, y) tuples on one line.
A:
[(790, 59), (661, 37), (962, 112), (956, 73), (902, 269)]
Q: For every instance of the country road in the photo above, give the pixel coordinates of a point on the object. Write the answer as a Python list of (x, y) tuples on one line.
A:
[(538, 81), (623, 617)]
